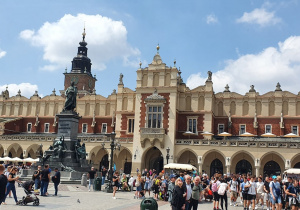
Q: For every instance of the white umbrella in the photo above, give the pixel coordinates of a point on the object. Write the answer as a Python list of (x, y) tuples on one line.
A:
[(224, 134), (268, 135), (7, 159), (188, 133), (36, 160), (16, 159), (206, 133), (290, 135), (247, 134), (1, 159), (30, 160)]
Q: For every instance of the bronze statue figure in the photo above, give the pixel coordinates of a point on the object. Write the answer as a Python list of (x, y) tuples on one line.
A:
[(71, 94), (80, 151), (59, 147)]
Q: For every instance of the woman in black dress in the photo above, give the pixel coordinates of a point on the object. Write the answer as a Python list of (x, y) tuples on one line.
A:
[(178, 200), (115, 184)]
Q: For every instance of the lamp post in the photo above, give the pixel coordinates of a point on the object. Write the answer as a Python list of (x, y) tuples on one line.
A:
[(113, 146), (168, 155)]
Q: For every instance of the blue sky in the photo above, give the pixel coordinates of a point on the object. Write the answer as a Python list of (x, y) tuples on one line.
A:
[(242, 42)]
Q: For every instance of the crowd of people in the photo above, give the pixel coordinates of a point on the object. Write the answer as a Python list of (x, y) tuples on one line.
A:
[(187, 190), (40, 180)]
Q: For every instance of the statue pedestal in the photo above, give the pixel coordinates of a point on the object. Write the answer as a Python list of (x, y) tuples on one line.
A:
[(68, 129)]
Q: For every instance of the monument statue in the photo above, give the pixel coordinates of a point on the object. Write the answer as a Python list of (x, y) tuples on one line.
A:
[(59, 147), (121, 79), (80, 151), (209, 76), (71, 94)]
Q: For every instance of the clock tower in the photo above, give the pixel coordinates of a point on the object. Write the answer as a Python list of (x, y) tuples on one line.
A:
[(81, 73)]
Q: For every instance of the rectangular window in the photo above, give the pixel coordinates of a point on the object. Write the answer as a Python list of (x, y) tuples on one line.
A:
[(29, 126), (154, 116), (130, 125), (104, 128), (220, 128), (295, 129), (192, 125), (242, 129), (84, 128), (268, 129), (46, 130)]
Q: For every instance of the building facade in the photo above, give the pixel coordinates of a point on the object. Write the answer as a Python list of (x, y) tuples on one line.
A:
[(161, 113)]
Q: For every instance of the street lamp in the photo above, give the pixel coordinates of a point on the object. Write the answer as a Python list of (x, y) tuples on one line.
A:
[(113, 146), (168, 156)]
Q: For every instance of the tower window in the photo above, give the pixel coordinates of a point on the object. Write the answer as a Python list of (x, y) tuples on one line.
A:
[(154, 116), (192, 125), (46, 129), (104, 128), (130, 125), (29, 126), (242, 129), (84, 128)]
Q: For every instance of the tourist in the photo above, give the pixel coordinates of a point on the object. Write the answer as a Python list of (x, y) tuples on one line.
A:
[(275, 193), (285, 187), (45, 179), (147, 184), (138, 185), (3, 183), (251, 192), (214, 188), (234, 190), (188, 186), (91, 175), (292, 192), (157, 182), (196, 193), (130, 182), (222, 191), (124, 182), (267, 192), (115, 183), (7, 172), (103, 174), (260, 193), (11, 184), (56, 180), (36, 176), (178, 200), (208, 194), (171, 187)]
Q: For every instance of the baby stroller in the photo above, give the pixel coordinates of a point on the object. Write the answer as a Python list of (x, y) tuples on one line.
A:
[(27, 186)]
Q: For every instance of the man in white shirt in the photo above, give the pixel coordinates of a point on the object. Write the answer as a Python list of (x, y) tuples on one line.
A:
[(188, 185), (252, 192), (233, 184), (260, 193)]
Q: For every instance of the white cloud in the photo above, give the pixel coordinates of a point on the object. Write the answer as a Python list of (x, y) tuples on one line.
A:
[(259, 16), (26, 89), (210, 19), (2, 53), (263, 70), (106, 38)]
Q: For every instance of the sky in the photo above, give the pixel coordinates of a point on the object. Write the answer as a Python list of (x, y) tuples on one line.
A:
[(243, 43)]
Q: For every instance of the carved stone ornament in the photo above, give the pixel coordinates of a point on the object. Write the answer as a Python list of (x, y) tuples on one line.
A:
[(155, 98)]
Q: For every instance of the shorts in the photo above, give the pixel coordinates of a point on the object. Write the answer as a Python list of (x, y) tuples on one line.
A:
[(260, 196), (245, 196), (267, 196), (233, 194), (277, 199), (251, 197), (216, 196)]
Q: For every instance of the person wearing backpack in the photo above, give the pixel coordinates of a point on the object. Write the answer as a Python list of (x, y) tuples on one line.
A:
[(233, 189), (196, 193), (214, 187), (251, 185), (244, 191), (222, 191), (275, 193)]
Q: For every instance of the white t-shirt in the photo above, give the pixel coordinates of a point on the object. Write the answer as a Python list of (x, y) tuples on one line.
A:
[(233, 185), (260, 187), (252, 188)]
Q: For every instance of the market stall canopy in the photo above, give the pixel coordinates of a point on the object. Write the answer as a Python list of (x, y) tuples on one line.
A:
[(268, 135), (16, 159), (293, 171), (188, 133), (6, 159), (206, 133), (29, 160), (224, 134), (180, 166), (290, 135), (247, 134)]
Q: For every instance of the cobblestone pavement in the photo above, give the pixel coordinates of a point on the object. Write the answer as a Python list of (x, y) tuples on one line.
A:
[(69, 194)]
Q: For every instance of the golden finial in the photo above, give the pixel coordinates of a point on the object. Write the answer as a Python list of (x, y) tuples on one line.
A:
[(157, 48)]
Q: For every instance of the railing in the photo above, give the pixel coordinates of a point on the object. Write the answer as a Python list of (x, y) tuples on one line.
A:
[(152, 131)]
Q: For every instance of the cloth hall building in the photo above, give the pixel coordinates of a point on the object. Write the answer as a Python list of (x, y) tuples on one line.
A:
[(162, 112)]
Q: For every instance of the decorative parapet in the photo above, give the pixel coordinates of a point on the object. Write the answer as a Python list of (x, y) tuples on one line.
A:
[(155, 98), (153, 134)]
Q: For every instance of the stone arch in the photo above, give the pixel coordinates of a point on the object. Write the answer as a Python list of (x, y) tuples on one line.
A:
[(168, 79), (232, 108), (271, 108), (239, 156), (15, 149), (124, 160), (285, 108), (272, 156), (201, 103), (152, 159), (245, 108), (124, 103), (295, 159), (188, 156), (31, 151), (188, 103), (209, 157), (96, 156)]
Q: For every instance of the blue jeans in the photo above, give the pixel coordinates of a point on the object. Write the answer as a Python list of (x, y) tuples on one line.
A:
[(91, 182), (36, 184), (11, 187), (103, 180), (187, 205), (44, 187), (56, 187)]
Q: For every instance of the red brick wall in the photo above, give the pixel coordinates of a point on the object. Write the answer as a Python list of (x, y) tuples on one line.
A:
[(182, 125), (83, 80), (165, 110), (124, 126), (98, 125)]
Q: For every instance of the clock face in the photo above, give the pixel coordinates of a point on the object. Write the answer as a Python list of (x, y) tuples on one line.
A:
[(90, 83), (75, 79)]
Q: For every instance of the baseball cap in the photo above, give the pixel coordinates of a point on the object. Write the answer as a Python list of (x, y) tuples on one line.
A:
[(172, 176), (274, 177)]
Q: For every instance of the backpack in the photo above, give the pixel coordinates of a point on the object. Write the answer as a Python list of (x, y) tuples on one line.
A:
[(276, 190), (222, 189), (214, 187)]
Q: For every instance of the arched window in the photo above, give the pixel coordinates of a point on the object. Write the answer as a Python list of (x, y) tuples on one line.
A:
[(272, 168), (245, 108), (243, 167), (271, 108), (201, 103), (297, 165), (216, 166), (188, 105)]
